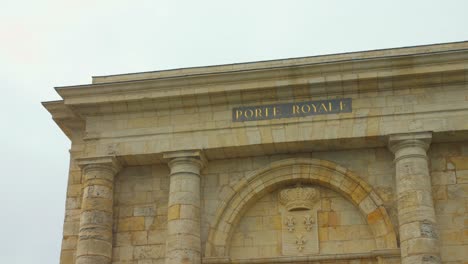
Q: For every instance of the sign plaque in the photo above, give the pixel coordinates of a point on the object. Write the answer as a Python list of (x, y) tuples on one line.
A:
[(288, 110)]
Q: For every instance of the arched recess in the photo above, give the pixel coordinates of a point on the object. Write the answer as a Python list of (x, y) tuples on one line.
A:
[(236, 199)]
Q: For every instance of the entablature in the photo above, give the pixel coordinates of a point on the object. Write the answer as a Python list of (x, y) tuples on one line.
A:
[(420, 74)]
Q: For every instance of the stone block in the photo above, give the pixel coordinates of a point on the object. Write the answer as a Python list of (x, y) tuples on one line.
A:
[(125, 253), (144, 211), (333, 219), (462, 176), (98, 191), (72, 215), (139, 238), (69, 242), (322, 218), (67, 257), (460, 162), (438, 164), (367, 205), (457, 191), (323, 234), (73, 203), (443, 177), (157, 237), (185, 226), (439, 192), (337, 233), (71, 228), (104, 205), (183, 241), (173, 212), (90, 247), (409, 231), (124, 211), (96, 218), (74, 190), (375, 216), (131, 224), (122, 239), (148, 252), (422, 246)]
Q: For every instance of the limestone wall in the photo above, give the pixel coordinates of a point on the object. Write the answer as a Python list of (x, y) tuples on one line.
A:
[(449, 171), (72, 206), (376, 113), (140, 214), (141, 196), (126, 135), (341, 228)]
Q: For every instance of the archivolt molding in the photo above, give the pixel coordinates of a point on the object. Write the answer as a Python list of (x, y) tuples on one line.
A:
[(236, 199)]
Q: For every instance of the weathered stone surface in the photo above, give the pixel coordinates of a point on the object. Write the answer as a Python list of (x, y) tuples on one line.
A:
[(163, 208), (95, 234), (416, 215), (183, 241)]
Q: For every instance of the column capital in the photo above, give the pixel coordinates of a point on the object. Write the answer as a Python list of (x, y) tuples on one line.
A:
[(104, 162), (196, 156), (397, 142)]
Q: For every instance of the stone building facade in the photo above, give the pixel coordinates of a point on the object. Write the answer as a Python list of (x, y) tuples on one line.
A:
[(348, 158)]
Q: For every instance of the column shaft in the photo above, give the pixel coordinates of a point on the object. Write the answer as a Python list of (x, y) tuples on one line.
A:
[(183, 226), (417, 224), (95, 233)]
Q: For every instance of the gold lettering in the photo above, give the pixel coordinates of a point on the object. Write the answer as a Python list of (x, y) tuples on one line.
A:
[(324, 107), (258, 112), (295, 109), (307, 110), (275, 111), (314, 107), (238, 114)]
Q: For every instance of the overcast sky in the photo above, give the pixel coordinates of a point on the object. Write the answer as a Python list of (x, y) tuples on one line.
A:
[(48, 43)]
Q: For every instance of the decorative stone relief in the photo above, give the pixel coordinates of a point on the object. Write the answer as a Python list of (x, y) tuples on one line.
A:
[(290, 222), (299, 214), (309, 222), (300, 241)]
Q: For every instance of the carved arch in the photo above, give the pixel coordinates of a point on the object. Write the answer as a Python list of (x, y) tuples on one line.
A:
[(236, 199)]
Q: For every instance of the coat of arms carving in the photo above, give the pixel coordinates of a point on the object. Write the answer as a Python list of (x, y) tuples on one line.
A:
[(299, 216)]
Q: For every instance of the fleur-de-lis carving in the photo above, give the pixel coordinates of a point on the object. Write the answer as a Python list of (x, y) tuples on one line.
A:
[(308, 222), (290, 222), (300, 242)]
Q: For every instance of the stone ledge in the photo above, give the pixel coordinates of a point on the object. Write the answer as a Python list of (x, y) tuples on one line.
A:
[(255, 65), (387, 253)]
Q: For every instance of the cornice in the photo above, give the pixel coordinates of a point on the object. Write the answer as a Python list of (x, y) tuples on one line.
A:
[(321, 74), (249, 83), (389, 52), (68, 121)]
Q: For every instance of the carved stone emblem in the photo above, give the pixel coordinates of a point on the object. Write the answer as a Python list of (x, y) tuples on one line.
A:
[(299, 198), (309, 222), (300, 242), (290, 223), (299, 214)]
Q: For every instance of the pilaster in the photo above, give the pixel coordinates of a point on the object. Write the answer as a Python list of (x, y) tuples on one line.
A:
[(95, 233), (183, 223), (419, 240)]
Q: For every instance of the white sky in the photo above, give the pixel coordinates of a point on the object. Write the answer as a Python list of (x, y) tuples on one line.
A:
[(51, 43)]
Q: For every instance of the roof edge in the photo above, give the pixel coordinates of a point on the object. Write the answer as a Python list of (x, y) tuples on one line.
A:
[(327, 58)]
